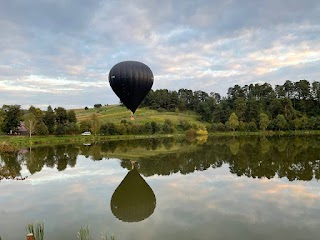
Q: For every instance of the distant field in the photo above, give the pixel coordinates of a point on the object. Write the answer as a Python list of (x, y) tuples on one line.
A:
[(116, 113)]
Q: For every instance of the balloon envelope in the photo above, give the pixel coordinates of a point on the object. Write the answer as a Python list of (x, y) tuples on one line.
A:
[(131, 81)]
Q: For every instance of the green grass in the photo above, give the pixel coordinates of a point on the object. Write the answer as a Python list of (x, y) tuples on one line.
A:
[(84, 234), (15, 142), (116, 113)]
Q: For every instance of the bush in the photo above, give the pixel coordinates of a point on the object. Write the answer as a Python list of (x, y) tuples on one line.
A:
[(155, 127), (168, 126), (184, 125), (251, 127), (109, 129), (191, 132), (147, 128), (202, 132), (242, 126), (98, 105), (60, 130), (72, 128), (217, 127), (85, 126), (41, 129)]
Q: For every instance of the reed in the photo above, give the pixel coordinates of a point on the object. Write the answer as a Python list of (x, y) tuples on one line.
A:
[(84, 233), (37, 229), (105, 237), (7, 148)]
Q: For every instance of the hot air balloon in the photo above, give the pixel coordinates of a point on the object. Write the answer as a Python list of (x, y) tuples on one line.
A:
[(133, 200), (131, 81)]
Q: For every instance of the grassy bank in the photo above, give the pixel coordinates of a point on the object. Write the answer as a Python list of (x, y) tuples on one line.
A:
[(116, 113), (25, 141), (267, 133)]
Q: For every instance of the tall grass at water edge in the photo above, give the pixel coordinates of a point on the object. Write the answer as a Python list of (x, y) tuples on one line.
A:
[(37, 229), (84, 234)]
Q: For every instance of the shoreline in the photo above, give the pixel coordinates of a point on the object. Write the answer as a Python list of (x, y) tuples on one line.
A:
[(25, 141)]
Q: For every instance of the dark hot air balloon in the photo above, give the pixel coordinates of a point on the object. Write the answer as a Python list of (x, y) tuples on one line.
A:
[(131, 81)]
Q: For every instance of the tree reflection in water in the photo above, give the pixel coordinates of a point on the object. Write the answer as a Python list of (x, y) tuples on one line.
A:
[(133, 200), (296, 158)]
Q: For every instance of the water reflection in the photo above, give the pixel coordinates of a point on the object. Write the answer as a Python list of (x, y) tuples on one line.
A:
[(296, 158), (133, 200)]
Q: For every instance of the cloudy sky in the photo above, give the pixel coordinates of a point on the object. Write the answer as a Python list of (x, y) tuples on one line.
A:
[(59, 52)]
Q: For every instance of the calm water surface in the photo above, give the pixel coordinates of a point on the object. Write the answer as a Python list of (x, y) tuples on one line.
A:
[(221, 188)]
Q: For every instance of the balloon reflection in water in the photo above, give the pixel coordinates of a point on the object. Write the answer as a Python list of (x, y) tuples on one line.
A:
[(133, 200)]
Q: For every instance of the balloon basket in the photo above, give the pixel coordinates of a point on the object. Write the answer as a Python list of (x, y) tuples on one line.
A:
[(132, 117)]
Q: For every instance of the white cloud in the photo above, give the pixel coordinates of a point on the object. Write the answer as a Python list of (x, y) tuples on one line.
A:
[(187, 44)]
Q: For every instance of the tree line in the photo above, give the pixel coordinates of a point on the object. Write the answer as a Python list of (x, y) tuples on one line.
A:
[(60, 121), (57, 121), (291, 106)]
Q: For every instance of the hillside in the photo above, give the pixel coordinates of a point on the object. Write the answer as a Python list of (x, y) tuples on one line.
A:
[(116, 113)]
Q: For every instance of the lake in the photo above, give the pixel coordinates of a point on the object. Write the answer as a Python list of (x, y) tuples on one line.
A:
[(216, 188)]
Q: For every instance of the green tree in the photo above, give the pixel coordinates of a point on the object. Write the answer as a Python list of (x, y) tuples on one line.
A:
[(251, 127), (240, 107), (2, 116), (296, 123), (233, 121), (12, 117), (85, 126), (60, 129), (204, 111), (30, 121), (280, 91), (303, 89), (72, 128), (252, 110), (263, 121), (41, 129), (95, 123), (61, 116), (280, 122), (37, 112), (316, 91), (72, 116), (218, 127), (49, 119), (287, 109), (289, 89), (304, 122)]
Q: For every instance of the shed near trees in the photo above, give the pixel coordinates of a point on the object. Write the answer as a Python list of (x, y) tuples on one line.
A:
[(22, 130)]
